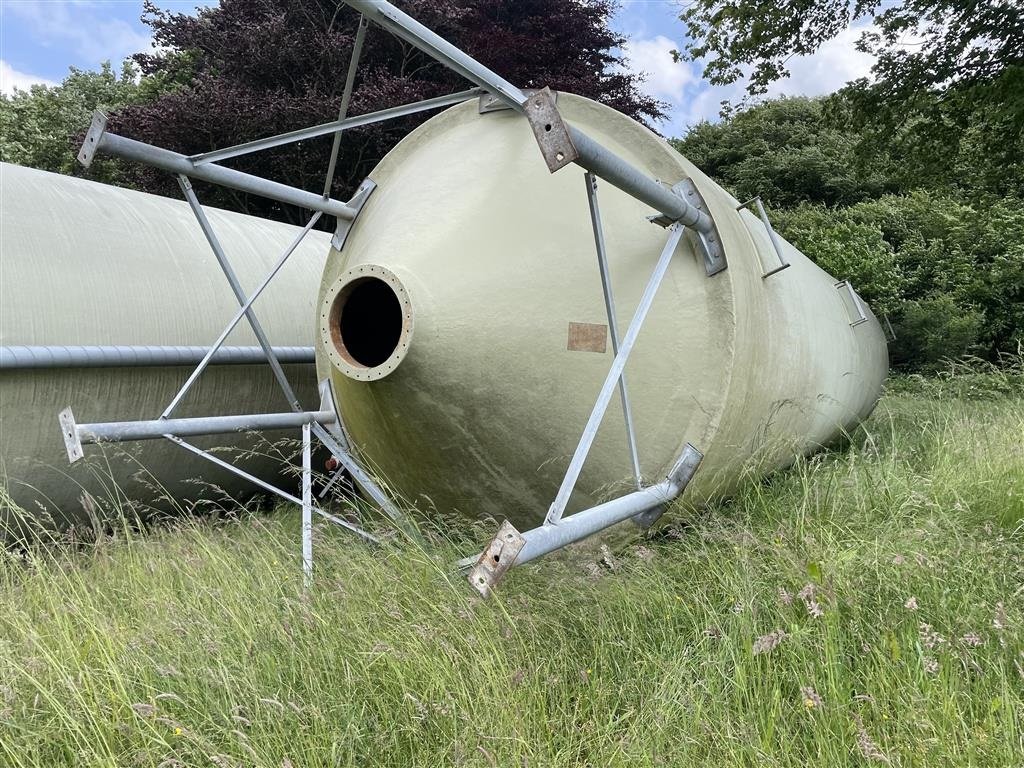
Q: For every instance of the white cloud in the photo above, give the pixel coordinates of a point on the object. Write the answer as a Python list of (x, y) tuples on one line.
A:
[(11, 78), (664, 78), (692, 100), (86, 28), (831, 67)]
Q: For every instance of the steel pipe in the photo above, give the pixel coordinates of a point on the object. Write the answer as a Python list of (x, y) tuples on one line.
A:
[(23, 357), (121, 431), (403, 26), (549, 537), (99, 140), (335, 127), (611, 380), (617, 172), (592, 156), (613, 323)]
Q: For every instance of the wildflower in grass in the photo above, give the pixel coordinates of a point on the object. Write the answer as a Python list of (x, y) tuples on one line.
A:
[(911, 604), (811, 698), (867, 748), (972, 640), (809, 597), (768, 642), (931, 666), (785, 596), (930, 639)]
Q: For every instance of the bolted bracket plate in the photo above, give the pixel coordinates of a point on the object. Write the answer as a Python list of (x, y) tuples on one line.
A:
[(69, 431), (707, 244), (358, 201), (499, 556), (550, 131), (91, 142)]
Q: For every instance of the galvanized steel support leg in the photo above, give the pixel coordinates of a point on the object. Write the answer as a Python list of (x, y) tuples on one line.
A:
[(613, 325), (612, 379), (346, 97), (591, 155), (222, 259), (237, 318), (271, 488), (307, 508), (359, 475), (98, 140), (510, 547)]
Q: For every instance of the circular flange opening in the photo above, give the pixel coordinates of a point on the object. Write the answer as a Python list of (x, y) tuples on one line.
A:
[(366, 322)]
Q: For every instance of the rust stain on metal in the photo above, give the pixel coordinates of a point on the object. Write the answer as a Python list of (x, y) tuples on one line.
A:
[(588, 337), (495, 561)]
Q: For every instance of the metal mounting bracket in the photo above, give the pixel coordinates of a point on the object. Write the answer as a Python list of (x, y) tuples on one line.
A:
[(92, 138), (491, 103), (763, 215), (357, 202), (69, 432), (680, 475), (854, 307), (707, 244), (495, 561), (550, 131)]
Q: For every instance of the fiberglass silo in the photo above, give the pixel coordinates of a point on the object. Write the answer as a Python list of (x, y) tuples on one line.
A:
[(464, 330), (87, 266)]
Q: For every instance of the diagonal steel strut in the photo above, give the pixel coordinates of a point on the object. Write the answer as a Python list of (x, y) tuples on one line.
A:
[(229, 272), (613, 324), (612, 379)]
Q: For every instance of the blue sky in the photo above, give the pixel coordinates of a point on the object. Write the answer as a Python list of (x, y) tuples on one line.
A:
[(40, 39)]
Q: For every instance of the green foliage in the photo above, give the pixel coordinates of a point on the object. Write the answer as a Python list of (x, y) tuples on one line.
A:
[(941, 254), (949, 276), (41, 127), (933, 330), (785, 151), (958, 44), (946, 96), (849, 249), (860, 608)]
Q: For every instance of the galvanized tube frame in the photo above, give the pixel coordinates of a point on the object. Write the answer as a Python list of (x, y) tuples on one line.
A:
[(643, 505)]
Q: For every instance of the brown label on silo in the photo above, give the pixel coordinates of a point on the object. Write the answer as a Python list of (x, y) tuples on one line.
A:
[(587, 337)]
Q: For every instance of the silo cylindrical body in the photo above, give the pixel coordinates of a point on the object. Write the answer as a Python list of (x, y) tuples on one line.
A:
[(90, 264), (464, 329)]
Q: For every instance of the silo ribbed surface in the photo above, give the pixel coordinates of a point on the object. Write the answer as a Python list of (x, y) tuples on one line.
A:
[(474, 270), (90, 264)]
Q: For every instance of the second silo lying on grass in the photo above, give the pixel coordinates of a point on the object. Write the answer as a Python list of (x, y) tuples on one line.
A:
[(87, 265), (464, 330)]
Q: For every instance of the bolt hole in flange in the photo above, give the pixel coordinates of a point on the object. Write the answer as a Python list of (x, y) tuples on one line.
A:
[(366, 322)]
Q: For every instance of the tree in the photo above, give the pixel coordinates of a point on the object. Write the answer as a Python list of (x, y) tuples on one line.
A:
[(37, 125), (947, 83), (785, 152), (253, 68), (958, 43)]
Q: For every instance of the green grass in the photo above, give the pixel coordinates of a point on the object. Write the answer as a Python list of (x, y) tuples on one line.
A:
[(865, 606)]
